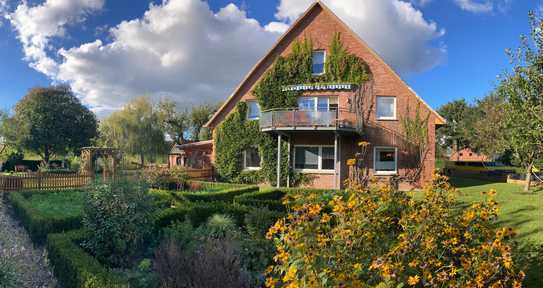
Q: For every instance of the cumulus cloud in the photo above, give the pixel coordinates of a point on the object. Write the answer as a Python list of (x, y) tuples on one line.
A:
[(179, 49), (37, 25), (395, 29)]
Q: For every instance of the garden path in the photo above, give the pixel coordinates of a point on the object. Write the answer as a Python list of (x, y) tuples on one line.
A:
[(29, 262)]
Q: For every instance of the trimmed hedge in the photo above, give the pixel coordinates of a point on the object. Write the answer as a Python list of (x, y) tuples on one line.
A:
[(225, 196), (74, 267), (199, 213), (36, 224), (195, 185), (272, 197)]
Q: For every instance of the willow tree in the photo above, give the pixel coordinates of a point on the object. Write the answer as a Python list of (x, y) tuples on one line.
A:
[(136, 129), (523, 90)]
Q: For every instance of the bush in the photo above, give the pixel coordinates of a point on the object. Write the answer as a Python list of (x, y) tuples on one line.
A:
[(199, 213), (382, 237), (73, 267), (120, 215), (8, 275), (225, 196), (271, 198), (193, 185), (173, 178), (38, 223)]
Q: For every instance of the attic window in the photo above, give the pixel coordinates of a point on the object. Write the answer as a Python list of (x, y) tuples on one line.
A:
[(319, 58)]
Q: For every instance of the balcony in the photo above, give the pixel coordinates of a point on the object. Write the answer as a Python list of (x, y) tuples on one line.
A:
[(294, 119)]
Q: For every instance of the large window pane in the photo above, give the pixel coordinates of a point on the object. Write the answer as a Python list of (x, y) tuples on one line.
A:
[(307, 103), (306, 158), (322, 104), (253, 110), (386, 107), (252, 158), (328, 159), (385, 160), (318, 62)]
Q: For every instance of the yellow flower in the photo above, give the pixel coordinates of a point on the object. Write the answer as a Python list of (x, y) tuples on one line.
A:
[(270, 282), (413, 280), (351, 162), (291, 274), (363, 143)]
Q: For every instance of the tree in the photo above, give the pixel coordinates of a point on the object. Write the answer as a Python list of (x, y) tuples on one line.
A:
[(456, 133), (199, 116), (174, 122), (523, 90), (490, 125), (50, 121), (136, 129), (415, 132)]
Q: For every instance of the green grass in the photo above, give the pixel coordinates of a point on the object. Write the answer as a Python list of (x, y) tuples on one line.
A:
[(58, 204)]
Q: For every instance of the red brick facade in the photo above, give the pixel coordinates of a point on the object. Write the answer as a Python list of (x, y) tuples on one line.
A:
[(320, 25), (467, 155)]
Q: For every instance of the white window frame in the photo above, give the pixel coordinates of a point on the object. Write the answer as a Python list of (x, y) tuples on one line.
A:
[(324, 62), (319, 163), (315, 99), (247, 168), (395, 117), (385, 173), (248, 110)]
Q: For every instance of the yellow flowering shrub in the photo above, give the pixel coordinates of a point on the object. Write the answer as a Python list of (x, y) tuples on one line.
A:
[(380, 237)]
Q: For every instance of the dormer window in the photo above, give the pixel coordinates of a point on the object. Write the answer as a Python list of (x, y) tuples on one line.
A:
[(319, 58), (253, 110)]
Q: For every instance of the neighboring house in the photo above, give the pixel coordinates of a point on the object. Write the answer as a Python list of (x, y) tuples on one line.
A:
[(192, 155), (323, 132), (468, 155)]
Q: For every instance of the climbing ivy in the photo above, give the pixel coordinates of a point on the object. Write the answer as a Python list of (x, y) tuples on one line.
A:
[(236, 134)]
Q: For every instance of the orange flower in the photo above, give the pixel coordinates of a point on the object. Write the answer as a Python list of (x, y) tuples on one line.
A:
[(413, 280)]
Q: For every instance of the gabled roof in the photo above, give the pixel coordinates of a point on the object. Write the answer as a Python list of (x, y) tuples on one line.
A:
[(318, 4)]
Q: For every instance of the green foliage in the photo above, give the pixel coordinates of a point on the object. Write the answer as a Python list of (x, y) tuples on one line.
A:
[(171, 178), (415, 132), (236, 133), (460, 117), (51, 121), (120, 215), (490, 124), (199, 116), (8, 275), (205, 186), (73, 267), (219, 226), (136, 129), (225, 196), (199, 213), (42, 213)]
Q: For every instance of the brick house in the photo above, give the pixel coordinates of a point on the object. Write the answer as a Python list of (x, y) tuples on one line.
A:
[(323, 131), (468, 155), (195, 155)]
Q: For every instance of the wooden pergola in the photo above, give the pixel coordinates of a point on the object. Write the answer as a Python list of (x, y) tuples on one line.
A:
[(111, 156)]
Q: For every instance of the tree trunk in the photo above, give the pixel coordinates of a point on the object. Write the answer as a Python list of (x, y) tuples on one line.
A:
[(142, 160), (46, 156), (528, 178)]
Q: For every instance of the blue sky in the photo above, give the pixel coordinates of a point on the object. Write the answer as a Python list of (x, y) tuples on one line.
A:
[(468, 43)]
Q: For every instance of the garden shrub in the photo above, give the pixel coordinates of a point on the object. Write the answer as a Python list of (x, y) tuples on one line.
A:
[(194, 185), (173, 178), (36, 222), (8, 275), (73, 267), (382, 237), (225, 196), (121, 217), (199, 213), (271, 198)]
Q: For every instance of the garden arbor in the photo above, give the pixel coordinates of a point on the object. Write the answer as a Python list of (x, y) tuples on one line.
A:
[(110, 156)]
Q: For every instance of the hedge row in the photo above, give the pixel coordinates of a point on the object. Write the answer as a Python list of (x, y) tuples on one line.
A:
[(36, 224), (73, 267), (225, 196), (195, 185), (199, 213), (272, 197)]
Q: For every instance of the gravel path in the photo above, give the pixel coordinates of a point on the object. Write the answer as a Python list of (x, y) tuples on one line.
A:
[(30, 263)]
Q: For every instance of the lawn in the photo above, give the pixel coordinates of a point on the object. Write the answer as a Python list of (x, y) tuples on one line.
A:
[(58, 204)]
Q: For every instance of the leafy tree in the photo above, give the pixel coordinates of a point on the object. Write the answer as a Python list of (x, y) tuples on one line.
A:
[(523, 90), (199, 116), (490, 124), (50, 121), (174, 122), (135, 129), (456, 133), (415, 131)]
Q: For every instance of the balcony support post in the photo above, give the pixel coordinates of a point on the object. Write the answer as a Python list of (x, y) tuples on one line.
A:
[(288, 163), (278, 161), (336, 157)]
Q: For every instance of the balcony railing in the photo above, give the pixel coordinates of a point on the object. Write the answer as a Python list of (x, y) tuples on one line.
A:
[(294, 119)]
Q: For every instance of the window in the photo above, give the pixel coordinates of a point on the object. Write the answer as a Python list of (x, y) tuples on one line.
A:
[(319, 58), (253, 110), (386, 108), (385, 160), (314, 158), (321, 104), (251, 159)]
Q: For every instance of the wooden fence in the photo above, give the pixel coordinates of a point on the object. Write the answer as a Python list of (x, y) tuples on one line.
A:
[(200, 174), (43, 181)]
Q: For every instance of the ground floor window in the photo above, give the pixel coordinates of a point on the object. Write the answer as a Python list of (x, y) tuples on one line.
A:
[(314, 158), (251, 158), (386, 160)]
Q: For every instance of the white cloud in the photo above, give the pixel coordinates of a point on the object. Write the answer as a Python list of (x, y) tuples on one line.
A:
[(395, 29), (179, 49), (420, 2), (37, 25), (475, 6)]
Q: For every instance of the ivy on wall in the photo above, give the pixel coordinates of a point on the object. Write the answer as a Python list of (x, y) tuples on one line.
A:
[(236, 133)]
